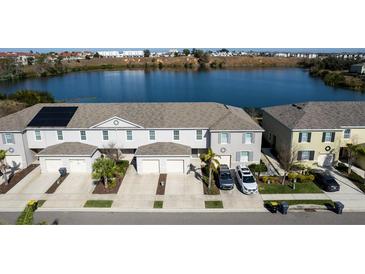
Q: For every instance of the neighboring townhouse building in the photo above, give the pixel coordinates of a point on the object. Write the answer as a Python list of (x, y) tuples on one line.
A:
[(162, 136), (358, 68), (314, 132)]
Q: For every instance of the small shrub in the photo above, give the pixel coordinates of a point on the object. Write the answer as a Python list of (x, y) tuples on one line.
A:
[(341, 167)]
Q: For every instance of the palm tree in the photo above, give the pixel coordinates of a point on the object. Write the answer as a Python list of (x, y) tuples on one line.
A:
[(353, 151), (210, 160), (3, 165), (105, 169)]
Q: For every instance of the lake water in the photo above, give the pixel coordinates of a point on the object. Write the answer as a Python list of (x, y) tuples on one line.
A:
[(251, 88)]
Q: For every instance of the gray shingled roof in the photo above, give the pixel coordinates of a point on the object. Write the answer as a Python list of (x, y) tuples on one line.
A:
[(320, 115), (69, 149), (147, 115), (163, 148)]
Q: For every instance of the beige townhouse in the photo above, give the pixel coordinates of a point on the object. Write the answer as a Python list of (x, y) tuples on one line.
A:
[(314, 133)]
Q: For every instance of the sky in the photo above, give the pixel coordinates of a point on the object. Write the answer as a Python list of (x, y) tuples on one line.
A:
[(306, 50)]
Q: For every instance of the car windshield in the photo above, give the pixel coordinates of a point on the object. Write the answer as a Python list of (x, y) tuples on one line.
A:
[(248, 179), (226, 176)]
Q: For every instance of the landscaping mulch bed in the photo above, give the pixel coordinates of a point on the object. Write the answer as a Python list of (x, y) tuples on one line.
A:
[(16, 178), (56, 184), (161, 188), (213, 191), (100, 188)]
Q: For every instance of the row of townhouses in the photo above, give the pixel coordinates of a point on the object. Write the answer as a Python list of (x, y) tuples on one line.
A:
[(164, 137)]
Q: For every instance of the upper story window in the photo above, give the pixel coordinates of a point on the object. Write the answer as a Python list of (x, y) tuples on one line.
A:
[(83, 135), (199, 134), (59, 135), (224, 138), (129, 135), (328, 137), (105, 135), (176, 135), (152, 135), (38, 136), (248, 138), (8, 138), (305, 137), (347, 133)]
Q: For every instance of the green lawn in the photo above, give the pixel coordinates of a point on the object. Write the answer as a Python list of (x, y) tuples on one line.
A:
[(158, 204), (98, 203), (306, 202), (213, 204), (277, 188)]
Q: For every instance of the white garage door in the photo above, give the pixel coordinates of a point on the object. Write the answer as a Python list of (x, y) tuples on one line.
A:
[(325, 159), (15, 161), (175, 166), (225, 160), (78, 165), (150, 166), (53, 165)]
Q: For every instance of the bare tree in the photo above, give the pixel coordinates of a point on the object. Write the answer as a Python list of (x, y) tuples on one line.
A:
[(287, 159), (113, 152), (3, 165), (353, 151)]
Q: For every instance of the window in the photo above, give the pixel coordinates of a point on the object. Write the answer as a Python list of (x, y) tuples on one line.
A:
[(248, 138), (38, 136), (305, 155), (328, 137), (129, 135), (152, 135), (9, 138), (347, 133), (59, 135), (304, 137), (224, 138), (105, 135), (176, 135), (199, 134), (83, 135), (244, 156)]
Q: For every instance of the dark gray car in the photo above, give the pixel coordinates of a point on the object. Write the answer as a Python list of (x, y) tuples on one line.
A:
[(225, 180)]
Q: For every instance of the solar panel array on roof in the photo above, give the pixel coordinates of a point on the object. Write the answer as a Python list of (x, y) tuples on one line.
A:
[(53, 117)]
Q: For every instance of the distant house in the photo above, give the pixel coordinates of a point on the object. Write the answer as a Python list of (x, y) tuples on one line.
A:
[(110, 53), (358, 68), (133, 53)]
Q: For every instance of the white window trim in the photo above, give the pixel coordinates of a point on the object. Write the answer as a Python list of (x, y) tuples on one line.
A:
[(11, 137), (154, 135), (196, 134), (309, 155), (105, 135), (129, 140), (178, 135), (82, 135), (302, 140), (226, 134), (349, 134), (40, 135), (58, 136), (248, 133)]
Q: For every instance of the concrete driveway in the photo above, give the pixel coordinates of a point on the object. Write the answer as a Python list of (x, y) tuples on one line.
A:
[(38, 185), (76, 183), (352, 197), (137, 191)]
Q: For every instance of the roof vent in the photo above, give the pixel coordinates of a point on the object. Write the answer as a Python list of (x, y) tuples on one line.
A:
[(296, 106)]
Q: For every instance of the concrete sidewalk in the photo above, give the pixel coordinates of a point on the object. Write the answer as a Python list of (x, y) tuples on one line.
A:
[(270, 160), (314, 196)]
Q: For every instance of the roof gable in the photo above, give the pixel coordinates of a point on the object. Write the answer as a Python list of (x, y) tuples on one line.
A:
[(116, 122)]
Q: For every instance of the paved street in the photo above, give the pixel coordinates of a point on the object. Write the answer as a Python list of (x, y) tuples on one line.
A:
[(222, 218)]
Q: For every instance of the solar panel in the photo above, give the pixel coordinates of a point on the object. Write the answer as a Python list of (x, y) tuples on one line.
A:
[(53, 117)]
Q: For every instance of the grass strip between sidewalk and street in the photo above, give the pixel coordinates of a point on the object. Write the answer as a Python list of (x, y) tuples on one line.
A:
[(213, 204), (98, 203), (158, 204), (304, 202)]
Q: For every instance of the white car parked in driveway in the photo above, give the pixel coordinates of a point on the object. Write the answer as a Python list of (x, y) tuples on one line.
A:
[(246, 180)]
